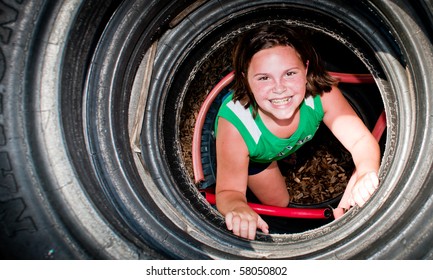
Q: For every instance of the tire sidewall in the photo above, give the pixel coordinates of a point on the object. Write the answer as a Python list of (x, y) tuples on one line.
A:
[(129, 208)]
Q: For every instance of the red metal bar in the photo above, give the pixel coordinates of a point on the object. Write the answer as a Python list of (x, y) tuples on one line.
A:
[(353, 78), (196, 140), (380, 126), (287, 212), (306, 213), (196, 153)]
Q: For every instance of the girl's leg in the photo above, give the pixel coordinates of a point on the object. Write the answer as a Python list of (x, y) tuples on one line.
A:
[(270, 187)]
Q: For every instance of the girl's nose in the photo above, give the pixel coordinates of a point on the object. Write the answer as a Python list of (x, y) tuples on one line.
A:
[(279, 88)]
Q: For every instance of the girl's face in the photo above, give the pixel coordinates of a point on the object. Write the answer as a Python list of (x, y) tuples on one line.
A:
[(277, 79)]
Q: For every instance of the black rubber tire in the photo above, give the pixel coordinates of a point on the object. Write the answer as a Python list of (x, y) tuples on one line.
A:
[(73, 188)]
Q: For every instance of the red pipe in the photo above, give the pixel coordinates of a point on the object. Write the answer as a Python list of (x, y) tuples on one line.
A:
[(196, 153), (353, 78), (196, 139), (289, 212), (380, 126), (306, 213)]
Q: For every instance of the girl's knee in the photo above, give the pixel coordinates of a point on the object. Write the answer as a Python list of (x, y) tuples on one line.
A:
[(283, 202), (279, 201)]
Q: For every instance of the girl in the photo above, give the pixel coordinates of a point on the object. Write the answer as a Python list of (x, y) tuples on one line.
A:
[(280, 96)]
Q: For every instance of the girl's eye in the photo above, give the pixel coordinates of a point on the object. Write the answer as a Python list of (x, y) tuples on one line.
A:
[(263, 78), (290, 73)]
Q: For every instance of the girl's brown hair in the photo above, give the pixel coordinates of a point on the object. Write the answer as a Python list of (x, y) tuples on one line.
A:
[(268, 36)]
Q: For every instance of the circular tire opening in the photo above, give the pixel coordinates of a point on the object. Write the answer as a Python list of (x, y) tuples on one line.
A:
[(317, 175), (208, 58)]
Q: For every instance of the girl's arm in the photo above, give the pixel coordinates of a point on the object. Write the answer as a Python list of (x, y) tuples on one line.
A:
[(231, 182), (349, 129)]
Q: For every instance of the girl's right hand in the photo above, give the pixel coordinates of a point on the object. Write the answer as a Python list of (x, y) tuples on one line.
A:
[(244, 222), (357, 192)]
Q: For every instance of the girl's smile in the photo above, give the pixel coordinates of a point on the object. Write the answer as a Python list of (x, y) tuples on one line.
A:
[(281, 101)]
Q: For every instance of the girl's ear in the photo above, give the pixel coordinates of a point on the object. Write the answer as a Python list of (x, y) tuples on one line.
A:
[(306, 67)]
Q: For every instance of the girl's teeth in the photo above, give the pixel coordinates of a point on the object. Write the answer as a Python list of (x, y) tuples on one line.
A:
[(281, 101)]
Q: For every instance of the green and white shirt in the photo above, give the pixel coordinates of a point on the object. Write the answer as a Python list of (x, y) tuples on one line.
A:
[(263, 146)]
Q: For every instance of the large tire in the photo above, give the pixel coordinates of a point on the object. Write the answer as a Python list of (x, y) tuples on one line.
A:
[(77, 182)]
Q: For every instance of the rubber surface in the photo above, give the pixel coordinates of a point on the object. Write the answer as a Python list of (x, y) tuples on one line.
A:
[(73, 187)]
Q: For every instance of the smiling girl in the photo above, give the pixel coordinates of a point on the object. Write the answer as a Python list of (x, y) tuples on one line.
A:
[(281, 95)]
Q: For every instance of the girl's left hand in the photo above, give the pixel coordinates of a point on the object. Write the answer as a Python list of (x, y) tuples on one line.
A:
[(358, 191)]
